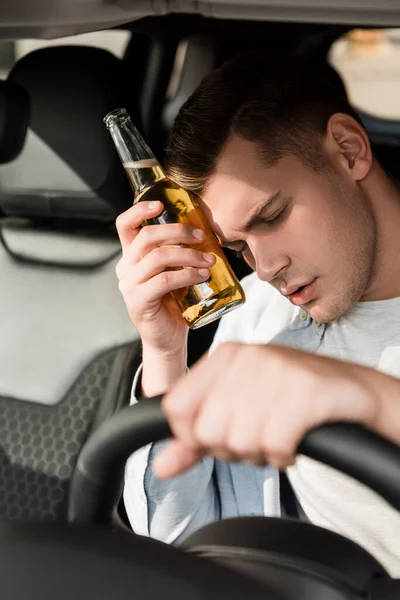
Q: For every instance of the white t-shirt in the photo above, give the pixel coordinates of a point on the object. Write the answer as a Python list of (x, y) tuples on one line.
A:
[(369, 335)]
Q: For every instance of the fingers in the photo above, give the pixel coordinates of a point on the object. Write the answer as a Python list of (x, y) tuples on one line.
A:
[(164, 259), (226, 409), (168, 281), (174, 460), (279, 441), (155, 236), (154, 258), (255, 403), (144, 300), (182, 402), (198, 406), (129, 225), (129, 222)]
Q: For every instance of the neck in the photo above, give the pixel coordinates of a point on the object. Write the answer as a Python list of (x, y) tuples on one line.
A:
[(385, 201)]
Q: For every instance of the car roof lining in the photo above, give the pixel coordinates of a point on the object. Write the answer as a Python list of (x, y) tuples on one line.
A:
[(58, 18)]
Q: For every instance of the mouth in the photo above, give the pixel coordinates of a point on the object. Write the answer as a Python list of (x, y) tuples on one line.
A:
[(302, 294)]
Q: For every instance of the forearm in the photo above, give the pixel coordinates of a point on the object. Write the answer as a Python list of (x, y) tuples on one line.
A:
[(368, 397), (385, 420)]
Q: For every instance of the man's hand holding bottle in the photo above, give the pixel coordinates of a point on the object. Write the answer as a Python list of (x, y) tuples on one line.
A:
[(151, 266), (161, 258)]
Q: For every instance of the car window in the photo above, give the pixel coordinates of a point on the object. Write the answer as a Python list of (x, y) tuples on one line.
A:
[(369, 62)]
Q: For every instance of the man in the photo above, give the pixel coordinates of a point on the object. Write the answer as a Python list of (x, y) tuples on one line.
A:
[(286, 176)]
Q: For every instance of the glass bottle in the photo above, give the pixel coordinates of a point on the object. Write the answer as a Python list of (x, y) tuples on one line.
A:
[(204, 302)]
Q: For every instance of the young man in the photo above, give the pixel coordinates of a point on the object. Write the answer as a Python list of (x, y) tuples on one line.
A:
[(286, 176)]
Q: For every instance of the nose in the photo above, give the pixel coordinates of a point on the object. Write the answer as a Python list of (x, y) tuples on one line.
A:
[(267, 261)]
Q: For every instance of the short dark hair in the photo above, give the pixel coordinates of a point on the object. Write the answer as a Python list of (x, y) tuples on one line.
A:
[(282, 104)]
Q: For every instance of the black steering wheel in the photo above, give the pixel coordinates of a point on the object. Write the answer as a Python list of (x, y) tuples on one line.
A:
[(270, 559)]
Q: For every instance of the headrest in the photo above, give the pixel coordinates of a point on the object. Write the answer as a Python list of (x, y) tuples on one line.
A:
[(68, 166), (14, 109)]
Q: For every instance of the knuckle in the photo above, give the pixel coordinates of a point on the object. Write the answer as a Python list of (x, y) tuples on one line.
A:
[(118, 269), (120, 221), (158, 256), (237, 444), (180, 232), (191, 276), (281, 461), (174, 409), (187, 275), (135, 252), (194, 255), (145, 234), (125, 286), (181, 229), (123, 220), (272, 446), (122, 286), (203, 435), (169, 406), (164, 279)]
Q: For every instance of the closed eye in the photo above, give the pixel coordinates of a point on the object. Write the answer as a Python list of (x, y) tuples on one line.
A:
[(276, 218), (238, 248)]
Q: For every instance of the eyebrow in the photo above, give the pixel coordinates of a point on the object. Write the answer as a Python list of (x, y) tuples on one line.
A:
[(254, 216)]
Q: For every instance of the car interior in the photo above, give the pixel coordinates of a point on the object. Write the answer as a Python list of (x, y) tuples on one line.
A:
[(68, 350)]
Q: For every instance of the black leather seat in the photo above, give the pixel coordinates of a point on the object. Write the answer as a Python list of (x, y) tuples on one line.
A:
[(67, 349)]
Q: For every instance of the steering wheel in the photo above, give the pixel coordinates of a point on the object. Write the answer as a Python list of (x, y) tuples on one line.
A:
[(262, 558)]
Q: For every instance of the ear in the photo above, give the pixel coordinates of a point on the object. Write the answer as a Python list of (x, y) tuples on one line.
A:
[(347, 143)]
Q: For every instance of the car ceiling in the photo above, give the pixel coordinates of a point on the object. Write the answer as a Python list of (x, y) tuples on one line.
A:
[(58, 18)]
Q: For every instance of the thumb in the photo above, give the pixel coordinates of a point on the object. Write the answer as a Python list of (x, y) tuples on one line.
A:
[(174, 459)]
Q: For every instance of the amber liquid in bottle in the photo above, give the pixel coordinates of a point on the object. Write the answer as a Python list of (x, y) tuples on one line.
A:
[(202, 303)]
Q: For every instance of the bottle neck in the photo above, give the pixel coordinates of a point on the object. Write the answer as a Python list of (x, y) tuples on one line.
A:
[(144, 173), (141, 166)]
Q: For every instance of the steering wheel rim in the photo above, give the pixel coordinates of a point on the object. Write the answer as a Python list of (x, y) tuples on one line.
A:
[(96, 484)]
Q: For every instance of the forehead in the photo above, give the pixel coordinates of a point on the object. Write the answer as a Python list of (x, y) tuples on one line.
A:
[(239, 184)]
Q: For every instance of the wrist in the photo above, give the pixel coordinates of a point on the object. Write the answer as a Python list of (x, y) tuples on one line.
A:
[(161, 370), (169, 357)]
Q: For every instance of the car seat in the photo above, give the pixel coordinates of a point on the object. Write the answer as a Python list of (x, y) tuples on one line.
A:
[(68, 349)]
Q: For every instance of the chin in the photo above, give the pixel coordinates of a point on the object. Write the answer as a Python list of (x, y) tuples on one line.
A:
[(322, 312), (325, 312)]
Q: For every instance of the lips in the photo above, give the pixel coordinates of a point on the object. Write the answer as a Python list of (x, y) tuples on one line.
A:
[(301, 294)]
